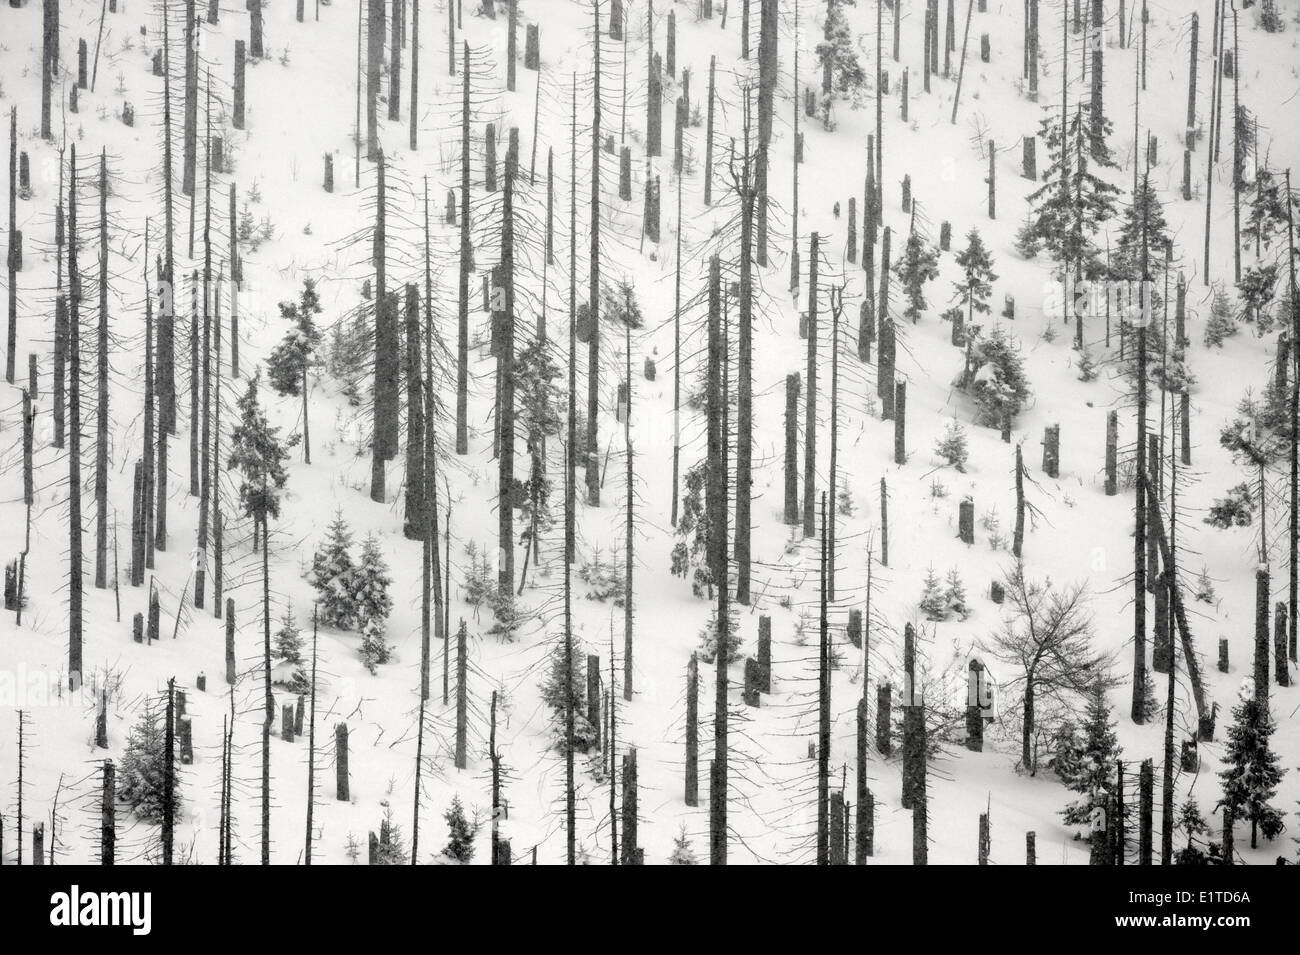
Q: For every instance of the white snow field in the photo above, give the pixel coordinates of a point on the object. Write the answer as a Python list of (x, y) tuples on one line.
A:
[(301, 105)]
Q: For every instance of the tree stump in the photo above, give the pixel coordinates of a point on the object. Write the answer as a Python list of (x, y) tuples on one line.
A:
[(884, 718), (230, 640), (329, 172), (532, 54), (966, 521), (753, 677), (1052, 450), (854, 629), (240, 63), (341, 762), (137, 626), (1223, 654), (1029, 158), (185, 732), (984, 47), (765, 652)]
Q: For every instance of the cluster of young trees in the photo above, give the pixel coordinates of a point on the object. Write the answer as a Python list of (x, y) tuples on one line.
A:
[(353, 594)]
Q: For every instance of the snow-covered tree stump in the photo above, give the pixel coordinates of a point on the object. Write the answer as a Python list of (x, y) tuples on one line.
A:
[(884, 718), (753, 678), (1052, 450), (966, 521), (341, 792)]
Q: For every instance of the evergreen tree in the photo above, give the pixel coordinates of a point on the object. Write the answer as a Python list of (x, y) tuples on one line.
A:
[(1266, 219), (1269, 19), (954, 595), (839, 48), (460, 832), (538, 401), (1252, 775), (690, 555), (1145, 211), (1235, 509), (1221, 324), (289, 361), (709, 635), (996, 380), (331, 574), (975, 284), (1257, 288), (288, 640), (391, 849), (370, 583), (1071, 205), (259, 454), (1096, 771), (682, 853), (952, 445), (932, 602), (555, 689), (374, 646), (618, 303), (141, 773), (1193, 824), (918, 265)]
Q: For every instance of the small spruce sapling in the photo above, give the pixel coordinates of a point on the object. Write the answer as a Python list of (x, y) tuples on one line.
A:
[(951, 446)]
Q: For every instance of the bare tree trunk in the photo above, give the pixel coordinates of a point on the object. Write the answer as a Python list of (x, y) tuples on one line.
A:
[(169, 776), (74, 436), (395, 61), (504, 337), (49, 66), (466, 255), (745, 399), (810, 398), (268, 717), (12, 340), (593, 301), (374, 64), (190, 131), (415, 78), (101, 409), (717, 501), (823, 708), (415, 505)]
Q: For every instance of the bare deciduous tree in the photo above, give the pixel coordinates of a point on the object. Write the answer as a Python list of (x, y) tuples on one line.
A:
[(1047, 635)]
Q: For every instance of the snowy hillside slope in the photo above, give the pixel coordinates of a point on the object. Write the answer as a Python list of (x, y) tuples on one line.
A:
[(301, 101)]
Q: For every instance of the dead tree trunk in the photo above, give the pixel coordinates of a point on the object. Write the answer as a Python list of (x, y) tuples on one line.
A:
[(810, 400), (593, 292), (74, 436)]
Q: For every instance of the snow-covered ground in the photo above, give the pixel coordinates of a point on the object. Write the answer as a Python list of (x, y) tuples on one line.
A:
[(301, 102)]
